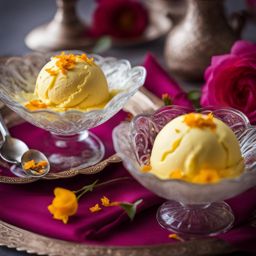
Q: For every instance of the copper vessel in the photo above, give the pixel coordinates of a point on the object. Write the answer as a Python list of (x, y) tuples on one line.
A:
[(202, 32), (65, 31)]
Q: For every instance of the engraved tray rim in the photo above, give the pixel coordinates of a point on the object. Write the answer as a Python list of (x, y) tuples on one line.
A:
[(24, 240), (63, 174)]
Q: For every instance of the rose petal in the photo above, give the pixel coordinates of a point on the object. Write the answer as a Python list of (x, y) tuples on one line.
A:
[(252, 116), (242, 47), (119, 18)]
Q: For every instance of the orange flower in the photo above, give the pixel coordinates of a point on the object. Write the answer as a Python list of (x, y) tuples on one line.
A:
[(51, 71), (145, 168), (199, 121), (106, 202), (35, 105), (166, 99), (36, 167), (63, 205), (85, 58), (207, 176), (176, 237), (95, 208), (33, 165), (29, 164), (65, 62), (177, 174)]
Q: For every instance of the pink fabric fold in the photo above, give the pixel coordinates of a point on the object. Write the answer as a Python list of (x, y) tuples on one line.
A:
[(25, 205), (159, 82)]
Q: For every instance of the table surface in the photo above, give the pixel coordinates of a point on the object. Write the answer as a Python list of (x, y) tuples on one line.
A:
[(17, 18)]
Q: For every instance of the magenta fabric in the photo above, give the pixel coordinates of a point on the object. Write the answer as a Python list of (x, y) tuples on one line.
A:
[(159, 82), (25, 205)]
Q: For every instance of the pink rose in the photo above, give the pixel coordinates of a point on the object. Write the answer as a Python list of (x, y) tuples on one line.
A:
[(119, 18), (231, 80)]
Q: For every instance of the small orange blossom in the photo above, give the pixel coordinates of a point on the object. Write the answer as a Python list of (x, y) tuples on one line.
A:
[(63, 205)]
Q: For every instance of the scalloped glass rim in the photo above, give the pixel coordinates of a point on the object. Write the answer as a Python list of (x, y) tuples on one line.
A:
[(133, 165), (236, 179), (18, 105), (19, 74)]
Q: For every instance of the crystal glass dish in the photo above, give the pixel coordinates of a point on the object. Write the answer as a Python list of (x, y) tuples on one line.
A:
[(70, 144), (191, 209)]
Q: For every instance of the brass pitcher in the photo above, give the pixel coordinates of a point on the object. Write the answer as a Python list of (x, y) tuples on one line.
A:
[(203, 31)]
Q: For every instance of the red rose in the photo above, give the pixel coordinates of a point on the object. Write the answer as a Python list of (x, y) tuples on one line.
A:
[(251, 3), (231, 80), (251, 7), (119, 18)]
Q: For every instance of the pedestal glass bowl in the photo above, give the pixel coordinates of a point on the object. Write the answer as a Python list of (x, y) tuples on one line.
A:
[(191, 209), (69, 143)]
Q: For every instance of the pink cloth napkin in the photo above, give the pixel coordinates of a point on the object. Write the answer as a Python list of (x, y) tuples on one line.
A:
[(159, 82), (25, 205)]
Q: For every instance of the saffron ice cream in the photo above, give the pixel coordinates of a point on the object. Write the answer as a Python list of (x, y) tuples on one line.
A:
[(70, 81), (196, 148)]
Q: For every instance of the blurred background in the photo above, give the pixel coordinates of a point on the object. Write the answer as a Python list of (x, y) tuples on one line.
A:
[(19, 18)]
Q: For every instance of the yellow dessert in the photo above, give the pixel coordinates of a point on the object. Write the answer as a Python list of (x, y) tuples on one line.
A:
[(196, 148), (70, 81)]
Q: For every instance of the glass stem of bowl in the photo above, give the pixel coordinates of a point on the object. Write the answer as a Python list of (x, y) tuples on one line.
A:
[(196, 206)]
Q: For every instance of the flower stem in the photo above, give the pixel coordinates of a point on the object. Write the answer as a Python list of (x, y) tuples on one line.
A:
[(81, 194), (111, 181), (90, 187)]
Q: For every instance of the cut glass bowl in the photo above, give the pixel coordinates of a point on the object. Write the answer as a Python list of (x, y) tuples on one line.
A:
[(71, 144), (192, 209)]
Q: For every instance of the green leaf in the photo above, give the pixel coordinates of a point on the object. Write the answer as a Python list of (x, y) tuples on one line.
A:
[(195, 96), (103, 44), (130, 208)]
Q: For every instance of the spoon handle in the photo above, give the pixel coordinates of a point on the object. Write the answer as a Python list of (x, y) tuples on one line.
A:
[(3, 128)]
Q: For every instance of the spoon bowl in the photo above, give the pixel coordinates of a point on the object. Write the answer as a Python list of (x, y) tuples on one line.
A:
[(12, 150), (16, 152), (37, 156)]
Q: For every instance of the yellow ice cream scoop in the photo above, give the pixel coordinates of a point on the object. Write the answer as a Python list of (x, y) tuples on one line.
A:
[(196, 148), (71, 81)]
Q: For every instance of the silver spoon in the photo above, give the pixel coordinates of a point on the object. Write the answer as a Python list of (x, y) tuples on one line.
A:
[(16, 152)]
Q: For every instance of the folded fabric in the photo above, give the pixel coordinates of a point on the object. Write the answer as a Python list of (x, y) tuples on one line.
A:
[(26, 205), (159, 82)]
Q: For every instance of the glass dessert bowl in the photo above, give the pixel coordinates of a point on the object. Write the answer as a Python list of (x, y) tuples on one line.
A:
[(69, 143), (192, 208)]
